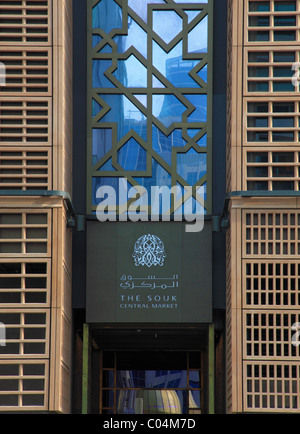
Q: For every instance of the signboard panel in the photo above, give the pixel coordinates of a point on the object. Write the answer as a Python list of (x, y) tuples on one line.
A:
[(148, 272)]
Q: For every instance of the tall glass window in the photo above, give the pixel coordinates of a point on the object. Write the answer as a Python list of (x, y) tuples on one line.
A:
[(149, 98)]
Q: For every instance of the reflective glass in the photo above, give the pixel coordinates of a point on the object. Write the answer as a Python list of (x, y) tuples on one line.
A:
[(284, 6), (283, 185), (257, 185), (282, 56), (152, 379), (258, 36), (140, 7), (283, 171), (259, 21), (136, 37), (191, 166), (283, 136), (283, 107), (258, 57), (258, 107), (254, 71), (283, 86), (259, 6), (132, 156), (283, 122), (258, 122), (284, 21), (152, 402), (148, 83), (282, 157), (196, 44), (258, 86), (107, 15), (288, 35), (257, 136), (257, 157), (166, 32), (257, 172)]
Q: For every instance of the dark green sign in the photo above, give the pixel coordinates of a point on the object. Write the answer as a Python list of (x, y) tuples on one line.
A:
[(148, 273)]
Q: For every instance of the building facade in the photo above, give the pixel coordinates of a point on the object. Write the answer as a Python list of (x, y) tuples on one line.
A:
[(36, 184), (112, 302), (262, 249)]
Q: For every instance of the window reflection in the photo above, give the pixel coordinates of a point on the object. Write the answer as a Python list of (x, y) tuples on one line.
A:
[(149, 83)]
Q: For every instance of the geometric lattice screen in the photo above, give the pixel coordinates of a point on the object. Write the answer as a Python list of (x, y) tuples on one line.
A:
[(149, 96)]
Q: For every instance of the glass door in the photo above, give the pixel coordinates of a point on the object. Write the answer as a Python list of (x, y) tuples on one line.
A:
[(151, 383)]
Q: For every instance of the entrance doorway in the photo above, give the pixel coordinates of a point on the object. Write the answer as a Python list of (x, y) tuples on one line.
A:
[(145, 382)]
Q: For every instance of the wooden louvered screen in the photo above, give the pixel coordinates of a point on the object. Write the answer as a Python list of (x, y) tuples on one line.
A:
[(263, 301), (25, 233), (22, 169), (25, 121), (24, 384), (35, 154), (27, 333), (28, 71), (25, 21), (25, 283)]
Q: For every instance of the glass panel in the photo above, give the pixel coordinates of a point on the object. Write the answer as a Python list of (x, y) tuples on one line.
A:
[(136, 102), (283, 185), (257, 172), (194, 379), (196, 44), (258, 36), (257, 185), (124, 72), (254, 71), (107, 15), (283, 171), (283, 107), (284, 35), (282, 157), (282, 56), (283, 86), (282, 136), (152, 402), (153, 379), (194, 402), (284, 21), (168, 109), (283, 122), (257, 122), (258, 86), (132, 156), (166, 32), (282, 71), (259, 6), (108, 398), (259, 21), (257, 136), (282, 6), (255, 57), (257, 157), (192, 166), (140, 6), (258, 107), (137, 37)]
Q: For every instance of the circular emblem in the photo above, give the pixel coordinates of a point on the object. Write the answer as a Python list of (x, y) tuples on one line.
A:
[(149, 250)]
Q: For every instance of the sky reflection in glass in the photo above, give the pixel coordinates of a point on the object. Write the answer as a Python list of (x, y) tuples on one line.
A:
[(159, 96)]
